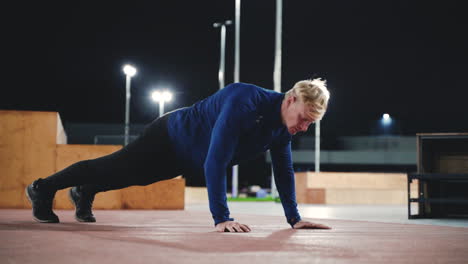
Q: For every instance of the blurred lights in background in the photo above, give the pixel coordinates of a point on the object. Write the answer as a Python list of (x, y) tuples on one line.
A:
[(129, 70), (158, 96), (386, 119)]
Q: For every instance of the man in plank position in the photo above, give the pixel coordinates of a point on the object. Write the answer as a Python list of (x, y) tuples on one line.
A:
[(232, 125)]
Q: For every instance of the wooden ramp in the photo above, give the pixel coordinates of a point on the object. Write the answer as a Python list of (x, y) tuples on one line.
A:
[(352, 188), (33, 145)]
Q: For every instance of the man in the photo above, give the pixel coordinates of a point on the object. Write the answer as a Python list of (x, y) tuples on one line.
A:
[(234, 124)]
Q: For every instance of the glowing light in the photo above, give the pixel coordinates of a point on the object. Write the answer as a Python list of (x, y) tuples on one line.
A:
[(129, 70), (156, 95), (386, 119), (164, 96)]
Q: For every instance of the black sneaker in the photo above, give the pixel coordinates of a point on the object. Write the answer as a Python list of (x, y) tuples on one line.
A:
[(83, 203), (41, 202)]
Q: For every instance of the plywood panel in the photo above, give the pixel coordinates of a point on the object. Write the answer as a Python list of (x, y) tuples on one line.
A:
[(11, 158), (27, 152), (315, 196), (349, 188), (357, 180), (301, 187), (365, 196), (168, 194), (196, 195), (69, 154)]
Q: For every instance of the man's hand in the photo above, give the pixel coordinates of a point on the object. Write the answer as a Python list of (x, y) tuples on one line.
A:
[(231, 226), (308, 225)]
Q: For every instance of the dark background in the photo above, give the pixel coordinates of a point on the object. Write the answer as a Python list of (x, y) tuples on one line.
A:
[(406, 58)]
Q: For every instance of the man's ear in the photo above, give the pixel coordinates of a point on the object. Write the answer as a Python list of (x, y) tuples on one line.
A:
[(288, 101), (292, 99)]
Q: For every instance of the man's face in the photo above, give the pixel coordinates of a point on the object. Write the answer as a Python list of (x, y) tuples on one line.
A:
[(295, 115)]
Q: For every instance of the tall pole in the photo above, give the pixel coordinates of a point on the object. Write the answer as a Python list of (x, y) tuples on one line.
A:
[(235, 168), (317, 146), (129, 71), (237, 42), (222, 55), (161, 108), (127, 110), (277, 71)]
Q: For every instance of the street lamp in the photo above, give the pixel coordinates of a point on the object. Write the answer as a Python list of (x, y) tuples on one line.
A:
[(386, 123), (221, 75), (223, 50), (161, 97), (386, 119), (129, 71), (235, 168), (277, 72)]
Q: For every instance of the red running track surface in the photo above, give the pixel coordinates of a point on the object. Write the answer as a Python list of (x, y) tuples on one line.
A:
[(136, 236)]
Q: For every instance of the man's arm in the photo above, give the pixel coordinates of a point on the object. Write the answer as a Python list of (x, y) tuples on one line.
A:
[(284, 179), (224, 139), (285, 182)]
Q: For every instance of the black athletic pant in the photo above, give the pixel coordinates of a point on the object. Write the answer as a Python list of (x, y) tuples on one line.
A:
[(148, 159)]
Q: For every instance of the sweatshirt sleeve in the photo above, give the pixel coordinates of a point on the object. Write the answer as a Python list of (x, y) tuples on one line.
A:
[(230, 123), (284, 179)]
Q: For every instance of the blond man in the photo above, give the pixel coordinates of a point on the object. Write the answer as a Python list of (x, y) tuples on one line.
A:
[(232, 125)]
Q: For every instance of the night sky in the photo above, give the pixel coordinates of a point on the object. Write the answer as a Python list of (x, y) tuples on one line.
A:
[(406, 58)]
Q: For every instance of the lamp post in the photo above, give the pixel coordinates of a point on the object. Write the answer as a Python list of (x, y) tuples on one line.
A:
[(277, 71), (129, 71), (235, 168), (222, 50), (237, 41), (221, 75), (161, 97), (317, 146)]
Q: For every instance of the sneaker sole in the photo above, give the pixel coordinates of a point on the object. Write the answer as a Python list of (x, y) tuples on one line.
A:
[(73, 202), (36, 219)]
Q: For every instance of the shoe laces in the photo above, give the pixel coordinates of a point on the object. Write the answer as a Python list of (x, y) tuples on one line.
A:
[(45, 201), (35, 184)]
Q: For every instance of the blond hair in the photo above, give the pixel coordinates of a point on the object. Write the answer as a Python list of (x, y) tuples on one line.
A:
[(313, 93)]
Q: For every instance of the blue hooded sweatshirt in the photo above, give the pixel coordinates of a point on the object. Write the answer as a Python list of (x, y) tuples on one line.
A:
[(235, 124)]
